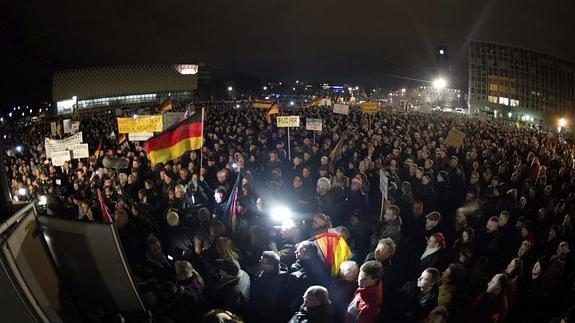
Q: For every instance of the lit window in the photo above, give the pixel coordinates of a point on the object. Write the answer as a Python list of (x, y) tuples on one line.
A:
[(514, 103), (492, 99), (503, 100)]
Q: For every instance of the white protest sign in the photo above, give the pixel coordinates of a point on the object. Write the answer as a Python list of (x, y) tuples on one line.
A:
[(75, 126), (60, 157), (140, 136), (53, 128), (80, 151), (313, 124), (288, 121), (341, 108), (67, 125), (55, 145)]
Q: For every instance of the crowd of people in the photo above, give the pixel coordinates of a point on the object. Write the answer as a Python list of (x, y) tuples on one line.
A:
[(476, 233)]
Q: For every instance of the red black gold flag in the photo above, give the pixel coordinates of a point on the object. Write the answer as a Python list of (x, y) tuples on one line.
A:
[(176, 140)]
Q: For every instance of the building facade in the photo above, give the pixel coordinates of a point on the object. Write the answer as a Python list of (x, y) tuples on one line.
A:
[(519, 84), (118, 85)]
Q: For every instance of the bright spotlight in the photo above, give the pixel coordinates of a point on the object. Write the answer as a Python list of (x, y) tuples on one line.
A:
[(510, 114), (562, 122), (135, 116), (288, 224), (265, 88), (19, 148), (291, 103), (10, 115), (281, 214), (22, 191), (440, 83), (441, 52), (403, 90), (42, 200), (357, 88), (230, 89)]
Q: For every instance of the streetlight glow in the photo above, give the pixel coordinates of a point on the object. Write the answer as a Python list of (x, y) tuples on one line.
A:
[(440, 83), (562, 122)]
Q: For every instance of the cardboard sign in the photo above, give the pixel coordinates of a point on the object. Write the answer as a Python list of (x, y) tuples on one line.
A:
[(140, 136), (455, 138), (60, 157), (146, 123), (80, 151), (341, 108), (313, 124), (288, 121), (370, 107)]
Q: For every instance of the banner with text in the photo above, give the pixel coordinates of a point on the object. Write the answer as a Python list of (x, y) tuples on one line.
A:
[(369, 107), (341, 108), (80, 151), (146, 123), (60, 157), (55, 145), (140, 136), (288, 121), (313, 124)]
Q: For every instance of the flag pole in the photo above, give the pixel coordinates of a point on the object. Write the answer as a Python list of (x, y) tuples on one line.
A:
[(289, 145), (201, 148)]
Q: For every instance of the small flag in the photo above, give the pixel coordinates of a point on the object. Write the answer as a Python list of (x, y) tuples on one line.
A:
[(261, 104), (98, 151), (122, 138), (336, 149), (316, 102), (231, 211), (166, 106), (106, 218), (274, 109), (59, 128), (176, 140)]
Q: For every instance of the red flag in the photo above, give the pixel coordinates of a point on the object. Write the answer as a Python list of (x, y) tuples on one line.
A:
[(106, 218)]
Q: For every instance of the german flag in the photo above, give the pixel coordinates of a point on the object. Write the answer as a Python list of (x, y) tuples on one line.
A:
[(275, 109), (316, 102), (176, 140), (261, 104), (166, 106), (334, 250), (122, 139)]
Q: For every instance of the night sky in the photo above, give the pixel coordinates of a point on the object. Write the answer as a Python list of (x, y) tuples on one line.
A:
[(309, 40)]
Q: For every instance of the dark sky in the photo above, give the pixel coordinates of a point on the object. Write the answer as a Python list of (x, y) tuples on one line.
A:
[(298, 39)]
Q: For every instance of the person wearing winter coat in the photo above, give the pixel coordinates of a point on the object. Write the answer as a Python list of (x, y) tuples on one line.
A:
[(265, 294), (365, 306), (316, 307)]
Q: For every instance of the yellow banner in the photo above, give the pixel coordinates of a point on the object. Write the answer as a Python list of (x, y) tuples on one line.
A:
[(262, 104), (150, 123), (370, 107)]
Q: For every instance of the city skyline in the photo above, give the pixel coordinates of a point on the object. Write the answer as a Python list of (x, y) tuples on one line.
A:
[(359, 42)]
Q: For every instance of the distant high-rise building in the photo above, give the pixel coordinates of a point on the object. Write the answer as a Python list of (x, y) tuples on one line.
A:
[(519, 84)]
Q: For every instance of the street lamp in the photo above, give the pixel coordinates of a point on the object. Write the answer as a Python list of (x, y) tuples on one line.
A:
[(440, 83), (562, 124)]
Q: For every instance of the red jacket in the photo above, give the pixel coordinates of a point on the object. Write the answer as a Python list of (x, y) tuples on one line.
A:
[(364, 308)]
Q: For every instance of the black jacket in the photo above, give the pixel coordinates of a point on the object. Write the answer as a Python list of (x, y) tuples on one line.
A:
[(316, 314)]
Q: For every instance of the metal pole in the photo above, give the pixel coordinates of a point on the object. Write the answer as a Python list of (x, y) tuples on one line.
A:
[(289, 145), (201, 148)]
